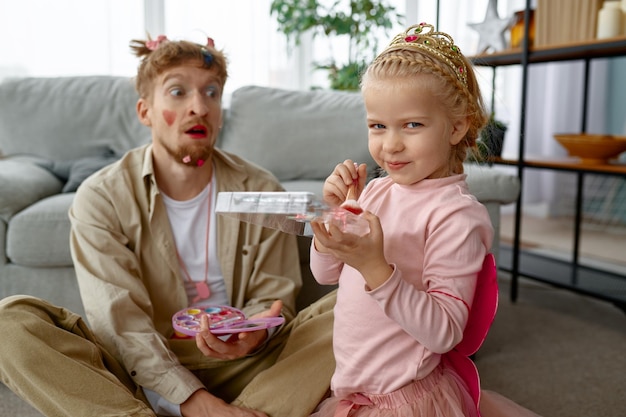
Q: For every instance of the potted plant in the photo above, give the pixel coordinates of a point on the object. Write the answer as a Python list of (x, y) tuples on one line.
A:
[(490, 142), (492, 136), (358, 20), (491, 139)]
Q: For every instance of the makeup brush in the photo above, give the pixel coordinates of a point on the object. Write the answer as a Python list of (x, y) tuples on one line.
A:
[(351, 204)]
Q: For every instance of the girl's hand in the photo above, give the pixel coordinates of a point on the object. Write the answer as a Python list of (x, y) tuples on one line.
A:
[(344, 175), (363, 253)]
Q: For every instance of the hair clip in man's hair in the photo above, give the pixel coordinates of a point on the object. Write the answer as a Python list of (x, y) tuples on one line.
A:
[(440, 44), (208, 57), (153, 45)]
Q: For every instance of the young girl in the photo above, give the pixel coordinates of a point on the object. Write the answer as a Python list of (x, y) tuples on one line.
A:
[(406, 288)]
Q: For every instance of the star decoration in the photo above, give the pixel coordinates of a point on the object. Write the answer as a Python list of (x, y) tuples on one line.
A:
[(491, 30)]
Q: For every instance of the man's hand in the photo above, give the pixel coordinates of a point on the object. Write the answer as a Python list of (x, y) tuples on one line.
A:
[(238, 344), (203, 404), (274, 311)]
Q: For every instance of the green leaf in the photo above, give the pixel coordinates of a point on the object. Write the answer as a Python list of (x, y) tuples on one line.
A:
[(359, 20)]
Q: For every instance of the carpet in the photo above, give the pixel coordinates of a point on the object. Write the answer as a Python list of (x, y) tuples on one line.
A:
[(557, 353)]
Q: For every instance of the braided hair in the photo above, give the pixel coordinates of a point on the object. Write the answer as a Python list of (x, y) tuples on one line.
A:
[(459, 100)]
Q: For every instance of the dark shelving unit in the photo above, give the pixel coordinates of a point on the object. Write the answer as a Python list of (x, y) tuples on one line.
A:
[(571, 275), (606, 48)]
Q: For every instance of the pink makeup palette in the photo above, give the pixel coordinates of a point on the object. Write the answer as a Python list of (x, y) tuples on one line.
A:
[(222, 320)]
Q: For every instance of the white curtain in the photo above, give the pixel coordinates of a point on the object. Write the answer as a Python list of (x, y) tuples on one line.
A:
[(45, 38), (76, 37), (555, 105)]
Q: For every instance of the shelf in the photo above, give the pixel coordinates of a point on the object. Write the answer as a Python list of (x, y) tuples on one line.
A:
[(604, 48), (566, 164), (586, 280), (569, 273)]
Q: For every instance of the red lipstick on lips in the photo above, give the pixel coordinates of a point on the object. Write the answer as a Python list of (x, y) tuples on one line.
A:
[(197, 132)]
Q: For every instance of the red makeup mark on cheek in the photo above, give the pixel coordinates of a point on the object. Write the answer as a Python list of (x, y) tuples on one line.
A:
[(169, 117)]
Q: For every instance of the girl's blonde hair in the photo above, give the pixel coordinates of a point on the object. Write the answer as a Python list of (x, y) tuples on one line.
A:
[(162, 54), (421, 50)]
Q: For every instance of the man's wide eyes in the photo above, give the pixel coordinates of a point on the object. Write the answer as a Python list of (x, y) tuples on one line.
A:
[(212, 91), (176, 92)]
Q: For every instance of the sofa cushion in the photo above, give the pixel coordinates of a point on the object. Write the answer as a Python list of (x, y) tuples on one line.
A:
[(296, 134), (83, 168), (491, 184), (74, 172), (311, 186), (76, 117), (488, 184), (21, 184), (39, 236)]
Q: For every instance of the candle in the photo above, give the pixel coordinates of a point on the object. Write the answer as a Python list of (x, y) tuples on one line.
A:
[(609, 20)]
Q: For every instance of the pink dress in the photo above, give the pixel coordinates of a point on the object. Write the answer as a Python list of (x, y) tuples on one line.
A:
[(389, 342)]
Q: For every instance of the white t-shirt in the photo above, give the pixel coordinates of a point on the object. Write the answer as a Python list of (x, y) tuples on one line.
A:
[(189, 224)]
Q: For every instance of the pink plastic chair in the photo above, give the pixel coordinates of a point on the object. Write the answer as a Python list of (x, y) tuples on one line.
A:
[(481, 317)]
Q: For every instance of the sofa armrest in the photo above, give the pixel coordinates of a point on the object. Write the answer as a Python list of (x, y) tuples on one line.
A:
[(490, 184), (22, 183)]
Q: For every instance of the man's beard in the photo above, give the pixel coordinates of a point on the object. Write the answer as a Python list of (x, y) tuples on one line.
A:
[(191, 155)]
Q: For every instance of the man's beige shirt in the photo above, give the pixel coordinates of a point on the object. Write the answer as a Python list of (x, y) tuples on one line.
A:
[(129, 276)]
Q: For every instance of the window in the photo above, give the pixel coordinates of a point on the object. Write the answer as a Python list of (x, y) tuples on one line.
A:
[(245, 32), (44, 38)]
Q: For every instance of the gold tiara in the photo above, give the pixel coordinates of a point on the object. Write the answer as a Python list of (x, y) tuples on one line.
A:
[(424, 37)]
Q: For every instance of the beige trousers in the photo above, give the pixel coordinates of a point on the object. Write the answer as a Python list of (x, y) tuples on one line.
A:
[(51, 359)]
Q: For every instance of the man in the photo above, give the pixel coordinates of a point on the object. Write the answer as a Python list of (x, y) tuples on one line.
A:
[(146, 243)]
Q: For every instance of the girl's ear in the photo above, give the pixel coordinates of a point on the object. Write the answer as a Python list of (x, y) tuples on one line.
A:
[(143, 111), (459, 130)]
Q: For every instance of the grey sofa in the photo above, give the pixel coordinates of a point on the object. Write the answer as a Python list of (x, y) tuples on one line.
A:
[(55, 131)]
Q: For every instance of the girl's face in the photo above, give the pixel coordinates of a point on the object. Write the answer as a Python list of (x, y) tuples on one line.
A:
[(410, 133)]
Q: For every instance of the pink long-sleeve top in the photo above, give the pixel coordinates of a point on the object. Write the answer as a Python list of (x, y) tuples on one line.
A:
[(436, 237)]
